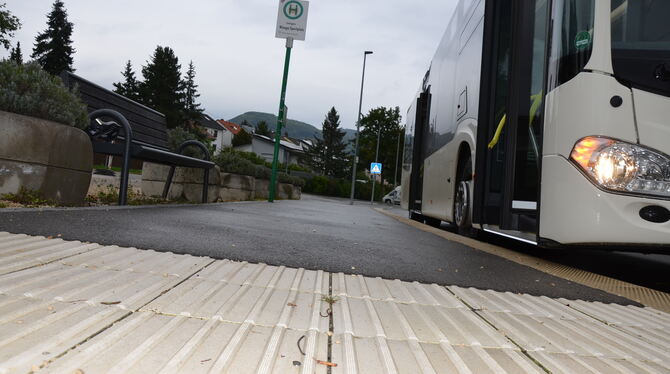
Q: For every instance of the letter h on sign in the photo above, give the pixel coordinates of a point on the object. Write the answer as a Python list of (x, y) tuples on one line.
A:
[(293, 10)]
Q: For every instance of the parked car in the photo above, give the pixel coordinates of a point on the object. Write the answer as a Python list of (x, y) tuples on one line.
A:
[(393, 197)]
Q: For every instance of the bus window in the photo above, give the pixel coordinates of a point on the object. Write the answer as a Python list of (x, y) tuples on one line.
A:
[(571, 41)]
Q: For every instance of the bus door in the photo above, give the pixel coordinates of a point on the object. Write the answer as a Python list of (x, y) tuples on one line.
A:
[(509, 140), (418, 151)]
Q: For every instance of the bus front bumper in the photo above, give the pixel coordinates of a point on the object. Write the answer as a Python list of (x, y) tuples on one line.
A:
[(574, 211)]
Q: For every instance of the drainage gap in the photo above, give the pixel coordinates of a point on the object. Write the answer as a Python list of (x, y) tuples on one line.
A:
[(330, 323)]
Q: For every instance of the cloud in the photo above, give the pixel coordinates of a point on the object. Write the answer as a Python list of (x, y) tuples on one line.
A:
[(239, 62)]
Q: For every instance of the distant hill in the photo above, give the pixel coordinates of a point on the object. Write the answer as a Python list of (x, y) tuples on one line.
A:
[(295, 129)]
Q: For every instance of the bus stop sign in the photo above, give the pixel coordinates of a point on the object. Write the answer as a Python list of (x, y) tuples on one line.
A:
[(375, 168), (292, 19)]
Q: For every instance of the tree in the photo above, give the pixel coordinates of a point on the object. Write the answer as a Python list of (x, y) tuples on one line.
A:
[(53, 48), (263, 129), (241, 138), (163, 89), (8, 24), (386, 120), (328, 154), (130, 87), (16, 55), (192, 109)]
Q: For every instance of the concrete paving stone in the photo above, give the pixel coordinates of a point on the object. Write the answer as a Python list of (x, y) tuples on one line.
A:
[(57, 282), (559, 363), (259, 275), (21, 251), (381, 355), (393, 290), (33, 332), (141, 261), (425, 323), (150, 343), (576, 337), (238, 303)]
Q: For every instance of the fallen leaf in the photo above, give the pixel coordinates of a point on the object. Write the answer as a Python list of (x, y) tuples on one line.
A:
[(50, 307), (330, 333), (35, 368), (337, 342), (50, 237), (110, 302), (291, 304), (209, 359), (20, 322), (331, 364)]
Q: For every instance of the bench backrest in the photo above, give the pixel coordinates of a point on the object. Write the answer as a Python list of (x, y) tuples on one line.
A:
[(149, 126)]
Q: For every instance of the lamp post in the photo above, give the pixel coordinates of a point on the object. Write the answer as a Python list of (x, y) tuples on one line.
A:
[(358, 129)]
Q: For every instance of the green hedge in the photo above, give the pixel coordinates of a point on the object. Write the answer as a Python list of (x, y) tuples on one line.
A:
[(27, 89), (235, 162)]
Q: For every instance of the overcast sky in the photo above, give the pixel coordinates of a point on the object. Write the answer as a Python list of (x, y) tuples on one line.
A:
[(238, 60)]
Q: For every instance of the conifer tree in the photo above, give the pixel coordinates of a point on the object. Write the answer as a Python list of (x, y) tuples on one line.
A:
[(192, 108), (8, 24), (16, 55), (328, 154), (53, 48), (263, 129), (130, 87), (162, 88)]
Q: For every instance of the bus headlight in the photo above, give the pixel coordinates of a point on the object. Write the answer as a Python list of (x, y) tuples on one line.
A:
[(621, 166)]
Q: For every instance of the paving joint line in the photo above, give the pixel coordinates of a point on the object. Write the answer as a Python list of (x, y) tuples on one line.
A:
[(331, 331), (521, 348), (646, 296), (123, 317)]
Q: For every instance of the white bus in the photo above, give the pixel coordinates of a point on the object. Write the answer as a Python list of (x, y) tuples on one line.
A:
[(547, 121)]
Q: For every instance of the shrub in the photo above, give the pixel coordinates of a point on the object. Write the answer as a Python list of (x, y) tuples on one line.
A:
[(262, 172), (179, 135), (27, 89), (232, 162)]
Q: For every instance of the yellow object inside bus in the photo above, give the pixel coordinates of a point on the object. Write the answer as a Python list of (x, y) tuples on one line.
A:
[(536, 101)]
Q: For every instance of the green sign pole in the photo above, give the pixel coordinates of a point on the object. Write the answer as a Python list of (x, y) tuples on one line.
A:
[(280, 122)]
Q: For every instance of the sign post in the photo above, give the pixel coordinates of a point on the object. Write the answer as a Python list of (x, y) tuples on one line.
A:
[(291, 25)]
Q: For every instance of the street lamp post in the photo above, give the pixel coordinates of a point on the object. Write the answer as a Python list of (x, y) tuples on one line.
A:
[(374, 176), (358, 129)]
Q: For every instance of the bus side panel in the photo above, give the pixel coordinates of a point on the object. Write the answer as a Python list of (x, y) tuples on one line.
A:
[(457, 96)]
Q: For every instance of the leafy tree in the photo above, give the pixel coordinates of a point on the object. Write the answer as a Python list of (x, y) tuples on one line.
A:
[(16, 55), (163, 89), (8, 24), (241, 138), (386, 120), (130, 87), (263, 129), (328, 154), (53, 47), (192, 109)]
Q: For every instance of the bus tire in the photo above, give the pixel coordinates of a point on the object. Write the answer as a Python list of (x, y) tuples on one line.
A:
[(463, 200)]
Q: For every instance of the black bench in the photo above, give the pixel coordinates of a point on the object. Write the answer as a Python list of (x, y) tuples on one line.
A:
[(122, 127)]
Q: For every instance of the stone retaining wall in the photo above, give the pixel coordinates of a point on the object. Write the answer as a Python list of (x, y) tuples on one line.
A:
[(187, 184)]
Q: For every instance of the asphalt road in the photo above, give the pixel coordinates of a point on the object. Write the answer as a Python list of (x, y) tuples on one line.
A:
[(314, 233)]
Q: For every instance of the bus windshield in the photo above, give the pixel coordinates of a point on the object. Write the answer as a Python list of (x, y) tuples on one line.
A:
[(641, 43)]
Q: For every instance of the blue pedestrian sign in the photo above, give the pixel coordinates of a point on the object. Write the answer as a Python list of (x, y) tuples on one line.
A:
[(375, 168)]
